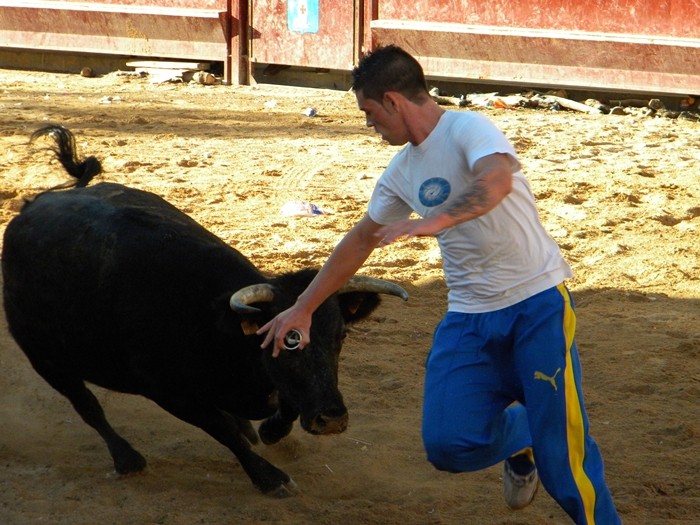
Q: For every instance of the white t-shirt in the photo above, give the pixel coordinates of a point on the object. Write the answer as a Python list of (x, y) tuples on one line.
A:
[(490, 262)]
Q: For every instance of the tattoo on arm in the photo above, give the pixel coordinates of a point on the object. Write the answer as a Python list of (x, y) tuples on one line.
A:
[(472, 202)]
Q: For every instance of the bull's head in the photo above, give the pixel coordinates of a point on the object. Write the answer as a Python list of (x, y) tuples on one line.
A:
[(307, 380)]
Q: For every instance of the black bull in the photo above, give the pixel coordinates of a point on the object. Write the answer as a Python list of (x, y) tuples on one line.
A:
[(114, 286)]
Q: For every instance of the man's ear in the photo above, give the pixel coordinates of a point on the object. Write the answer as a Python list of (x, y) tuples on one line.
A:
[(392, 101)]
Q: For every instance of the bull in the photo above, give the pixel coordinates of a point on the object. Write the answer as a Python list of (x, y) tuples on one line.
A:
[(114, 286)]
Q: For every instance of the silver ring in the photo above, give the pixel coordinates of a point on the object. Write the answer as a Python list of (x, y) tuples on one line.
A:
[(292, 340)]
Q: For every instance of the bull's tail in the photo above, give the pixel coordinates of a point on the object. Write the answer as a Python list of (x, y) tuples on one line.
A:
[(82, 170)]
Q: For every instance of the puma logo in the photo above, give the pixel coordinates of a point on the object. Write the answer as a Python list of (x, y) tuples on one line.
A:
[(551, 380)]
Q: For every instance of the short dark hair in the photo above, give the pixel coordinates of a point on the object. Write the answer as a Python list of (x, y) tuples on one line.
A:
[(389, 68)]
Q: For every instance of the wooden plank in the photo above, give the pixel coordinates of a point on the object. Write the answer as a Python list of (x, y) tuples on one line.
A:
[(162, 64), (97, 7), (120, 32), (453, 28), (671, 18)]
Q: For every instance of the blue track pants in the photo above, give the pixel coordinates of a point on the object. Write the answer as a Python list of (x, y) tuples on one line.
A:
[(502, 381)]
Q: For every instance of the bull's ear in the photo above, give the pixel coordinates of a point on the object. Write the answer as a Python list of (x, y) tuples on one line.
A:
[(355, 306), (249, 326), (227, 320)]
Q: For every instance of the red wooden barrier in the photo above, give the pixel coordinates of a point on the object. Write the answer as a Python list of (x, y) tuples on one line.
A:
[(623, 45), (650, 46)]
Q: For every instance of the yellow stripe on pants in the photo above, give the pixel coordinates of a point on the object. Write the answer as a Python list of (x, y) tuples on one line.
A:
[(575, 431)]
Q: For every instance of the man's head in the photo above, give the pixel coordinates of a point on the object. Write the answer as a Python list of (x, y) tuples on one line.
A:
[(390, 88), (389, 68)]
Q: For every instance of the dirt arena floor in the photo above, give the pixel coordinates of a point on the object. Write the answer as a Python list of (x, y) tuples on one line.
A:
[(620, 194)]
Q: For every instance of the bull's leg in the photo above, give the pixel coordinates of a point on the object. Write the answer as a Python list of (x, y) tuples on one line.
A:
[(228, 431), (125, 458), (279, 424)]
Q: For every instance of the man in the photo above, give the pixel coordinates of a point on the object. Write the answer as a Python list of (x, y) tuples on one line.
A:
[(503, 377)]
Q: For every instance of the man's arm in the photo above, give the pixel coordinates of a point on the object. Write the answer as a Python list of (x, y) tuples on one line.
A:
[(492, 183), (347, 257)]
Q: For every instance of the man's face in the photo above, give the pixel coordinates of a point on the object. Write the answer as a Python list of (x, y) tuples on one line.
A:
[(384, 118)]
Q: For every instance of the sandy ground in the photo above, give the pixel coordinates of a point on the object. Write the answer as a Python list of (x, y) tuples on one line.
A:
[(620, 194)]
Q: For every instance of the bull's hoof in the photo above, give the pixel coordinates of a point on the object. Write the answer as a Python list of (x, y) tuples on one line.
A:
[(129, 461), (285, 490), (126, 459)]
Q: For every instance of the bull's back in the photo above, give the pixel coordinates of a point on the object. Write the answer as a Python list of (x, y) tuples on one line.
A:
[(91, 240), (106, 275)]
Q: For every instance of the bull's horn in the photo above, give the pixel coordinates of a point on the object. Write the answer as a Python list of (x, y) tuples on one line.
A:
[(255, 293), (361, 283)]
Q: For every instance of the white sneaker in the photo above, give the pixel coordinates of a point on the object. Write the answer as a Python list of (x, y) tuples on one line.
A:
[(520, 481)]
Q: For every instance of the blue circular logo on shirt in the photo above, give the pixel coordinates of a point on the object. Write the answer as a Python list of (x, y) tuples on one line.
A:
[(434, 192)]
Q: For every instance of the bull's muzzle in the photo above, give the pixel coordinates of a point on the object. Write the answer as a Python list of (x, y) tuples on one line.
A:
[(324, 424)]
